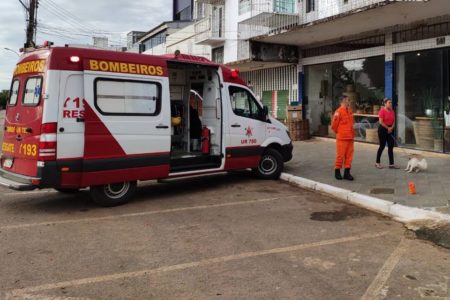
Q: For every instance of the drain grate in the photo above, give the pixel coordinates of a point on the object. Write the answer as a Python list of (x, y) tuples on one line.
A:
[(377, 191)]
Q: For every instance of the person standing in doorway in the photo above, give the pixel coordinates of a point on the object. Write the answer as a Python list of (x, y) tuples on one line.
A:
[(342, 125), (386, 133)]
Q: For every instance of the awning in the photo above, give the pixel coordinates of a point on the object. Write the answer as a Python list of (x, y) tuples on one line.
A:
[(371, 19)]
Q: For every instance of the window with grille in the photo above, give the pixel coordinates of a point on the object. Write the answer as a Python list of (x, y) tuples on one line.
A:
[(244, 6), (310, 5), (421, 33)]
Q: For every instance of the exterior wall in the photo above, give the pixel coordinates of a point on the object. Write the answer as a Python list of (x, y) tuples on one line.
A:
[(184, 40), (328, 8), (231, 30)]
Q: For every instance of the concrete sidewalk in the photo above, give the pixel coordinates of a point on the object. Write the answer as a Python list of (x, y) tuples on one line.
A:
[(314, 160)]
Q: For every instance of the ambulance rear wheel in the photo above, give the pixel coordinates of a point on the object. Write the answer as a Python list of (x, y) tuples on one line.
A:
[(270, 166), (113, 194)]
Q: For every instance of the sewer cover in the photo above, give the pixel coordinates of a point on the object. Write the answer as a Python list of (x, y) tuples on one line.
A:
[(382, 191)]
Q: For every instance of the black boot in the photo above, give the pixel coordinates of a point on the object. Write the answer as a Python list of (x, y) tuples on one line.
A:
[(347, 175), (337, 174)]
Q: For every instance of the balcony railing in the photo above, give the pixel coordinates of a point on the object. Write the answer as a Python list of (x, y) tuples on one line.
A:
[(210, 30), (311, 11)]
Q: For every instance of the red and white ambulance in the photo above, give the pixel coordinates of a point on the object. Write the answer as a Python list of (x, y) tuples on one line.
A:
[(81, 118)]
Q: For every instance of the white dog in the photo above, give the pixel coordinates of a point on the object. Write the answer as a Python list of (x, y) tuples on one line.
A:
[(416, 164)]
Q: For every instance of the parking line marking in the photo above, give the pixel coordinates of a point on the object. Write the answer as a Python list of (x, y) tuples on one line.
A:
[(385, 272), (189, 265), (164, 211)]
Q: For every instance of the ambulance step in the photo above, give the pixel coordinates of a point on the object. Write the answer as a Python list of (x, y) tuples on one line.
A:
[(194, 163), (19, 186)]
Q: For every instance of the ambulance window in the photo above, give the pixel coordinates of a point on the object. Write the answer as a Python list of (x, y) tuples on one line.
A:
[(117, 97), (13, 93), (243, 103), (32, 91)]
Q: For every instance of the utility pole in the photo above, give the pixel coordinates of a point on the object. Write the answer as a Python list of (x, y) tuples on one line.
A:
[(32, 22)]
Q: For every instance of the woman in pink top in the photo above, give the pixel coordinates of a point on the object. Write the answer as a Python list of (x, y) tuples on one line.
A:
[(385, 133)]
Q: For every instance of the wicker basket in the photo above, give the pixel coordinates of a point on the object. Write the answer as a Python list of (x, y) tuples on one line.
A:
[(299, 130), (372, 135)]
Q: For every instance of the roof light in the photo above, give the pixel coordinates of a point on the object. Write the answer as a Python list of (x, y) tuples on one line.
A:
[(74, 59), (47, 44), (234, 73)]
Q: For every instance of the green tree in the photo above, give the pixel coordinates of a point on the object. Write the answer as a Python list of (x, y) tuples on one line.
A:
[(3, 98)]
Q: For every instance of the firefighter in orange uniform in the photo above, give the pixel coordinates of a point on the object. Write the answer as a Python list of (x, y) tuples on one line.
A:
[(342, 125)]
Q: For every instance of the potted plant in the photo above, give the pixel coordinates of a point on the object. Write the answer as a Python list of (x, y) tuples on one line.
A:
[(428, 101), (438, 133), (324, 122)]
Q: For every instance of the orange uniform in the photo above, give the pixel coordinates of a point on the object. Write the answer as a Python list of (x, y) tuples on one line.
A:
[(342, 125)]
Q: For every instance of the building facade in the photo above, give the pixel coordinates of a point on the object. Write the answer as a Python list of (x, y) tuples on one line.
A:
[(228, 27), (314, 51), (405, 59)]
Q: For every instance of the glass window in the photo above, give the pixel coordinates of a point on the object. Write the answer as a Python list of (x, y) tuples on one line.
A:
[(361, 80), (310, 5), (32, 91), (217, 55), (127, 97), (422, 92), (244, 6), (13, 93), (284, 6), (243, 103)]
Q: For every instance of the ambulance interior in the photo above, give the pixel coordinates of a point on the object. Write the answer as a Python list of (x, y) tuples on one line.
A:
[(196, 117)]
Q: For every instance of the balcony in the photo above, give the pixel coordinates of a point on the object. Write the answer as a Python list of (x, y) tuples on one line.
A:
[(267, 17), (210, 30), (212, 2)]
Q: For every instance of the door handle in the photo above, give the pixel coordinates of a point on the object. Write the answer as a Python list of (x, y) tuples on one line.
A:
[(80, 120), (236, 125), (160, 126)]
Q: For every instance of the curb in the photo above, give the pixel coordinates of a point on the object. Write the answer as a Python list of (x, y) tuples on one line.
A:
[(398, 212)]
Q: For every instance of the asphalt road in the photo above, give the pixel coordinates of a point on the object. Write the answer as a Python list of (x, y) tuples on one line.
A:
[(221, 237)]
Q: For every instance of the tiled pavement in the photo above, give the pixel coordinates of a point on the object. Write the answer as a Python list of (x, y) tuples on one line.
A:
[(314, 159)]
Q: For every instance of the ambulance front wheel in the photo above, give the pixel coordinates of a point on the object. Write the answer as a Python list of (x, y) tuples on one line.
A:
[(270, 165), (113, 194)]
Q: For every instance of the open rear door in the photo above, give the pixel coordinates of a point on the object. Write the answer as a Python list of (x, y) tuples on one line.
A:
[(127, 129)]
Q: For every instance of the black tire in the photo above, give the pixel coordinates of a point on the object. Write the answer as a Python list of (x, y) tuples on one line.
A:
[(271, 165), (67, 190), (113, 194)]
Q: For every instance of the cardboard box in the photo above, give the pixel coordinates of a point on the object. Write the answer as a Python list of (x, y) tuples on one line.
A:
[(294, 113)]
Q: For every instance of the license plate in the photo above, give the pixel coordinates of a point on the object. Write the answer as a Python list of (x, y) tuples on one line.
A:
[(7, 163)]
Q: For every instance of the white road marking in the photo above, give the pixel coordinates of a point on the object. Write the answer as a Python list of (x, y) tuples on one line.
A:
[(42, 297), (188, 265), (375, 288), (164, 211)]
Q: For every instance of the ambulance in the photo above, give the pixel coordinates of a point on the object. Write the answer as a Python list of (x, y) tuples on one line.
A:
[(80, 117)]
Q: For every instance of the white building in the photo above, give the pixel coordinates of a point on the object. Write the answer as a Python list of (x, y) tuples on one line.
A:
[(314, 51), (365, 49)]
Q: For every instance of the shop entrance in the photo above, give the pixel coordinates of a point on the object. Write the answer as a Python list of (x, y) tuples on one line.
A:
[(423, 110), (361, 80)]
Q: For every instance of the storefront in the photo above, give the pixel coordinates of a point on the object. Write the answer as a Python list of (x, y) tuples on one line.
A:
[(422, 87), (361, 80)]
